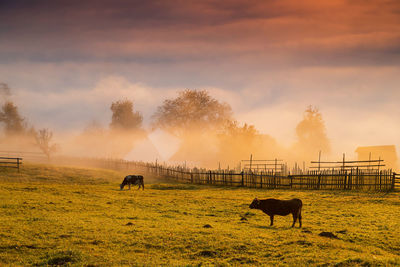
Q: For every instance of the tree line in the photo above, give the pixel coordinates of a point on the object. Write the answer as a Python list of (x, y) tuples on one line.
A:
[(206, 127), (16, 127)]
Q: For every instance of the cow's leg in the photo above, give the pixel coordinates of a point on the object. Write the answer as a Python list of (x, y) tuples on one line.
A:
[(300, 217), (129, 186), (272, 220), (294, 218), (142, 186)]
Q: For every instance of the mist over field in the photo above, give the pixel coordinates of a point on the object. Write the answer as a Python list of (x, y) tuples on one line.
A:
[(191, 127), (64, 64)]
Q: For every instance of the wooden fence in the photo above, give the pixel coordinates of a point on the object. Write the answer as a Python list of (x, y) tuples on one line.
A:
[(6, 162), (396, 181), (32, 156), (333, 179), (354, 179)]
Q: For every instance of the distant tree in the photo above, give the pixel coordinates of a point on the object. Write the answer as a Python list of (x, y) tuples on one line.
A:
[(235, 141), (238, 142), (192, 109), (124, 118), (93, 127), (311, 132), (9, 115), (4, 90), (232, 129), (43, 139)]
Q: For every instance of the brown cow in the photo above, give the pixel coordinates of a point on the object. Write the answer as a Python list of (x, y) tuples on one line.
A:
[(273, 207)]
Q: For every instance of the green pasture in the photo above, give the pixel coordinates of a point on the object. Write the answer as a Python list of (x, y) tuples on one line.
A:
[(52, 215)]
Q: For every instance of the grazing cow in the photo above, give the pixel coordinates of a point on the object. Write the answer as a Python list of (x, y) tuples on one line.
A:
[(133, 180), (273, 207)]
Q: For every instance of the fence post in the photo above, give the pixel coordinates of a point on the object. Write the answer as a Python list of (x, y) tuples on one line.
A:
[(18, 164), (349, 180), (191, 177), (393, 180), (209, 177), (242, 178)]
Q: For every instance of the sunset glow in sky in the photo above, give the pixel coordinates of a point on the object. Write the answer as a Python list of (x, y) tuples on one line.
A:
[(66, 61)]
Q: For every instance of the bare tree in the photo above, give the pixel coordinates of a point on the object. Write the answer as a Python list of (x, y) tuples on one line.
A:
[(43, 139)]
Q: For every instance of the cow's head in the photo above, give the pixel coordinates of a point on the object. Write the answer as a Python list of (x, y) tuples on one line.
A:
[(121, 186), (255, 204)]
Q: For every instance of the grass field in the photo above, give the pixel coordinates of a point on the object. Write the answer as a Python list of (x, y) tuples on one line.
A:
[(74, 216)]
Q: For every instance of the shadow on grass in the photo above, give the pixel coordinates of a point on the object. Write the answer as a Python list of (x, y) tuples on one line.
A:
[(60, 258), (174, 187), (127, 189), (266, 227), (274, 227)]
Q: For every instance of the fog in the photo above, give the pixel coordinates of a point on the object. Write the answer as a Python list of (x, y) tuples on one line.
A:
[(268, 60), (187, 139)]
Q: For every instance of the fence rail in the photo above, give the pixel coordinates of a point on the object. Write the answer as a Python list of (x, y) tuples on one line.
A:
[(6, 162), (326, 180), (354, 179), (333, 179), (32, 156), (396, 181)]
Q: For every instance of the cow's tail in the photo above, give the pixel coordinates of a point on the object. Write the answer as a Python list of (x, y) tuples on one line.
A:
[(300, 207), (299, 213)]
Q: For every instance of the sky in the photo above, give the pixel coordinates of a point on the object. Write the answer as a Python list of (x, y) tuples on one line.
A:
[(66, 61)]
